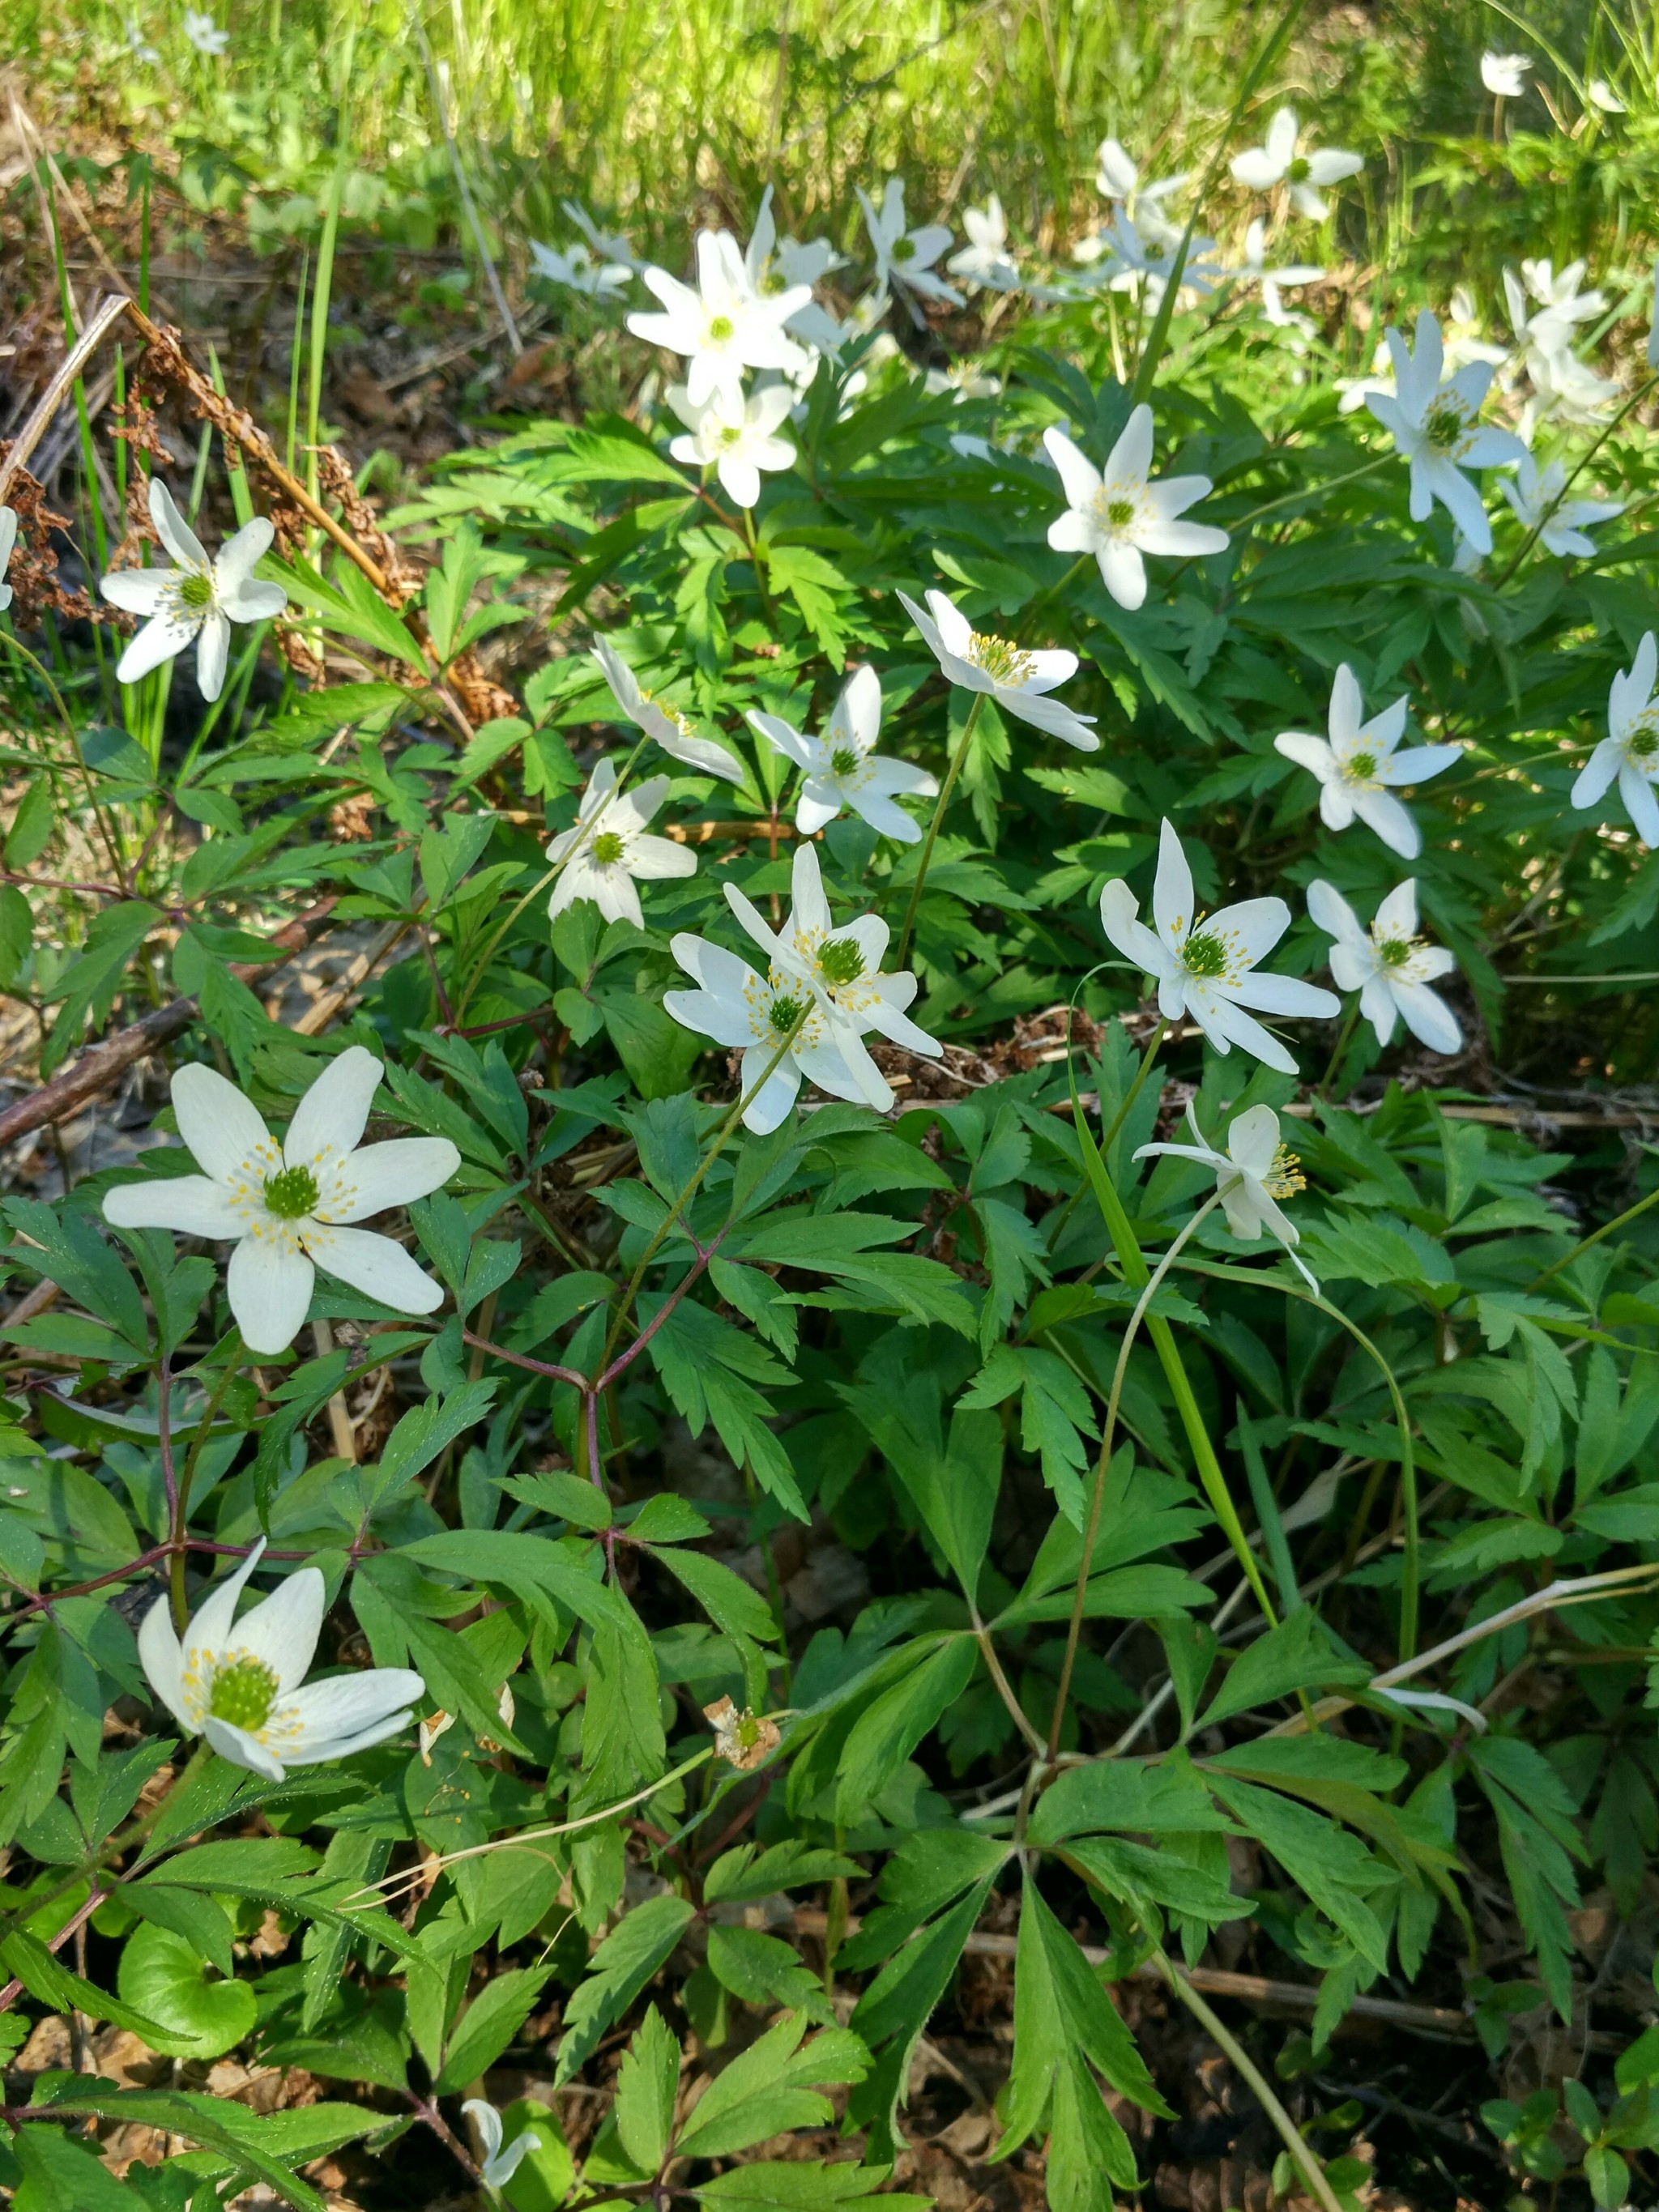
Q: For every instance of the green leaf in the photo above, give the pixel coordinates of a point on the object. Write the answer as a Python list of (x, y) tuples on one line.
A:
[(763, 1971), (619, 1969), (489, 2025), (801, 2186), (762, 2092), (1297, 1654), (162, 1975), (46, 1978), (727, 1600), (647, 2084), (32, 825), (889, 1730)]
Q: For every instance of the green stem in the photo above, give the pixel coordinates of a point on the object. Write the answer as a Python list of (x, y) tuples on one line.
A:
[(1134, 1089), (1595, 1237), (1340, 1046), (1597, 443), (181, 1503), (931, 839)]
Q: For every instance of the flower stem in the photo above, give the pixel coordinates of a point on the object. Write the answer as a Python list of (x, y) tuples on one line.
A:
[(181, 1502), (1133, 1090), (1595, 1237), (1338, 1050), (931, 839)]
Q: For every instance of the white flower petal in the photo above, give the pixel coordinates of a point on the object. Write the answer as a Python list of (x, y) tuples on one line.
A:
[(345, 1704), (191, 1205), (163, 1660), (221, 1127), (282, 1629), (330, 1120), (161, 639), (378, 1176), (174, 533), (375, 1265), (269, 1287), (242, 1749)]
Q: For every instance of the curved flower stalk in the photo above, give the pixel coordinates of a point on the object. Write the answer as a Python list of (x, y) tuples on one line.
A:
[(1629, 752), (841, 768), (609, 849), (286, 1207), (670, 729), (1278, 162), (985, 260), (1358, 762), (1252, 1176), (725, 326), (843, 968), (1388, 964), (497, 2166), (1120, 513), (1205, 965), (734, 436), (8, 540), (1019, 681), (197, 598), (902, 256), (1434, 426), (1562, 525), (242, 1684)]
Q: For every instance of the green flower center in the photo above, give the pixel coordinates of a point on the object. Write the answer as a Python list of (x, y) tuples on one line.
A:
[(844, 760), (731, 433), (841, 961), (1363, 765), (1395, 951), (1120, 513), (196, 590), (292, 1194), (773, 282), (1444, 427), (608, 848), (904, 249), (1002, 662), (243, 1693), (1206, 954), (1644, 742), (784, 1012), (1298, 172)]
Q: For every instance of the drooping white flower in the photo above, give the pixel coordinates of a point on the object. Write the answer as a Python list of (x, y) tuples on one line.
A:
[(1630, 750), (842, 969), (1252, 1176), (204, 34), (725, 326), (985, 260), (1118, 514), (1601, 95), (200, 598), (1504, 75), (497, 2166), (1535, 497), (1278, 162), (906, 257), (1435, 426), (607, 244), (1388, 964), (8, 540), (1357, 764), (670, 729), (287, 1206), (581, 270), (842, 768), (1563, 388), (734, 436), (242, 1684), (608, 849), (1019, 682), (1205, 965), (1117, 177), (1254, 270), (1545, 308)]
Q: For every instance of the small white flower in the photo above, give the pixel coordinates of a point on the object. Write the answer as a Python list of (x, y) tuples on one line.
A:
[(1535, 495), (670, 729), (735, 436), (1278, 162), (966, 379), (1132, 255), (906, 257), (1117, 177), (985, 260), (1358, 763), (1544, 307), (843, 968), (497, 2166), (197, 599), (203, 34), (1629, 752), (1504, 75), (842, 768), (581, 271), (1119, 514), (1254, 270), (1388, 964), (775, 264), (1601, 95), (242, 1683), (138, 44), (1564, 387), (1018, 681), (8, 540), (610, 849), (725, 326), (285, 1206), (1252, 1176), (1435, 426), (607, 244), (1204, 965)]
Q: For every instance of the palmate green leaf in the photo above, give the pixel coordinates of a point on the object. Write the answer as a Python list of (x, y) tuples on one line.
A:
[(763, 1971), (953, 1485), (737, 1876), (1333, 1868), (765, 2091), (619, 1969), (889, 1730)]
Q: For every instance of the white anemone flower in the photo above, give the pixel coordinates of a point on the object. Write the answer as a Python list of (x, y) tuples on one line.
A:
[(1254, 270), (1601, 95), (1121, 513), (204, 34), (1629, 752), (1566, 388), (734, 436), (200, 598), (985, 260), (1117, 177), (1255, 1172), (906, 257), (497, 2166), (608, 245), (1133, 255), (725, 326), (1504, 75), (1535, 495), (581, 270), (287, 1206), (1388, 964), (775, 264), (1435, 426), (843, 968), (670, 729), (242, 1684), (841, 768), (1019, 682), (608, 849), (1205, 965), (1357, 764), (1558, 304), (1278, 162), (8, 540)]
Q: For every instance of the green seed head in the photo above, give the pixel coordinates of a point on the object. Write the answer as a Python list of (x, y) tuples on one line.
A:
[(1644, 742), (1120, 513), (720, 328), (1363, 765), (1444, 427), (292, 1194), (243, 1693), (608, 848), (840, 961), (196, 591), (1298, 172), (785, 1012), (904, 249), (1205, 953), (1395, 951), (731, 433), (844, 760)]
